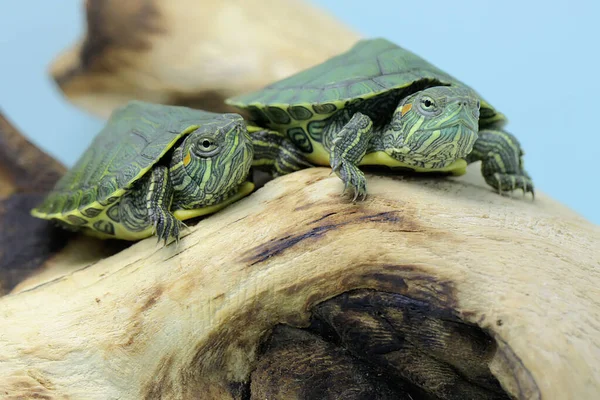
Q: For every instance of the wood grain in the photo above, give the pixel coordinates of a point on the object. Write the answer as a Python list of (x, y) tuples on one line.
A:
[(30, 247), (193, 53), (176, 322)]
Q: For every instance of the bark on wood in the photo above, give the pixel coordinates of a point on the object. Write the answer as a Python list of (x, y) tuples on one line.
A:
[(23, 167), (194, 53), (29, 246), (432, 288), (25, 174)]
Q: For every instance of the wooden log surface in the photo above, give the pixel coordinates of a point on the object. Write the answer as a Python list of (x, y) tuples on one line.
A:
[(23, 167), (193, 53), (29, 246), (25, 174), (431, 288)]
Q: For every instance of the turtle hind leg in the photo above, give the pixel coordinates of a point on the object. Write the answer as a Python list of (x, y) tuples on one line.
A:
[(158, 203), (501, 159), (275, 153), (348, 146)]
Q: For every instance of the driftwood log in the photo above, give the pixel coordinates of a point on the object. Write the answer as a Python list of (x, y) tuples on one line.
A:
[(193, 53), (25, 175), (30, 246), (430, 289)]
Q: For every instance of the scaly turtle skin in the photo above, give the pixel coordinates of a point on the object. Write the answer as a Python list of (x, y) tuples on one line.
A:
[(379, 104), (151, 167)]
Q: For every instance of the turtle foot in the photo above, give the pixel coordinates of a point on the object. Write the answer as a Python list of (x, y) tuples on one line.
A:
[(166, 226), (508, 183), (354, 180)]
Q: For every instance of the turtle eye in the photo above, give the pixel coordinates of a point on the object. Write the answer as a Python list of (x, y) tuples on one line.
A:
[(478, 104), (206, 146), (427, 106), (427, 103)]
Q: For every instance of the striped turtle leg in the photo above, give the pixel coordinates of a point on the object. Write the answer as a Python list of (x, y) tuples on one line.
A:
[(158, 203), (348, 147), (501, 159), (275, 152)]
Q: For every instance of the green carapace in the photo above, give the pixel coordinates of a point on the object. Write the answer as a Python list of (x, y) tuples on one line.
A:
[(379, 104), (151, 167)]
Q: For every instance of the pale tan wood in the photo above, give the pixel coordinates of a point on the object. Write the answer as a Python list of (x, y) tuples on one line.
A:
[(190, 52), (178, 321)]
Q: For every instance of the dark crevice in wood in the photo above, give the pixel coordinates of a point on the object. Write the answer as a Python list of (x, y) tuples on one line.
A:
[(25, 242), (26, 175), (368, 344), (28, 244)]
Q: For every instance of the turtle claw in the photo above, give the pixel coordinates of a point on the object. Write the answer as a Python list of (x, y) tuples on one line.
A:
[(345, 189), (359, 196), (353, 179), (506, 184), (166, 226)]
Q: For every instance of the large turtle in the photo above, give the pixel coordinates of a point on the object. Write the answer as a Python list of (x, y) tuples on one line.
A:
[(151, 167), (380, 104)]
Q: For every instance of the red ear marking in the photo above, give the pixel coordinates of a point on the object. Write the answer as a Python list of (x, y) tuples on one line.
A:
[(406, 108), (187, 159)]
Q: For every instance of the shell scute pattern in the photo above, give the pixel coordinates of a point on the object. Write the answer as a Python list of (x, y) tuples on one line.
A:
[(89, 195), (108, 201), (75, 220), (70, 202), (315, 129), (135, 137), (299, 137), (113, 213), (91, 212), (299, 113), (278, 115), (325, 108), (105, 227), (359, 89), (258, 116), (369, 71), (371, 67), (105, 189)]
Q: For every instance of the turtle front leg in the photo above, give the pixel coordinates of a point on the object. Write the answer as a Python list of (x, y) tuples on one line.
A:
[(158, 204), (348, 147), (275, 152), (501, 161)]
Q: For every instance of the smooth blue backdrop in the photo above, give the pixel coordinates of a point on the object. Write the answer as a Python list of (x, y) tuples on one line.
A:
[(535, 60)]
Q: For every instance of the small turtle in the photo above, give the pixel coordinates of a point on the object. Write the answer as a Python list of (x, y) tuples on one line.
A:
[(151, 167), (379, 104)]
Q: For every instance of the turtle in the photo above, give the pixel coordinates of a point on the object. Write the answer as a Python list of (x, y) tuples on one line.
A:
[(151, 167), (380, 104)]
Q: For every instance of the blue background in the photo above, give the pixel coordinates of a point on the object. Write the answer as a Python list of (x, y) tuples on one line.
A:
[(537, 61)]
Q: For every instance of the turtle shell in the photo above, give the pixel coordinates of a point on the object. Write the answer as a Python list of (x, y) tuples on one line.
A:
[(368, 69), (134, 139)]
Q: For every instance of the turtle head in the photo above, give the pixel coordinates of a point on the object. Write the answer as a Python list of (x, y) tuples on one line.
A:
[(218, 156), (434, 127)]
